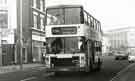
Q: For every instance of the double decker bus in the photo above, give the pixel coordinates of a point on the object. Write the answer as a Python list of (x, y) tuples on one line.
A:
[(73, 39)]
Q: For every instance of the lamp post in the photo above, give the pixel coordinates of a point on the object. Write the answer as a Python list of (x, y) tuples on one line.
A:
[(20, 38), (0, 45)]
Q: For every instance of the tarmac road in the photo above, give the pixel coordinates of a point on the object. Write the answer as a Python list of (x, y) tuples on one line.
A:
[(109, 69)]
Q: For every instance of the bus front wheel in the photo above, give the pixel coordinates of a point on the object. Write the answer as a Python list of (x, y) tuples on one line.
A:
[(99, 64)]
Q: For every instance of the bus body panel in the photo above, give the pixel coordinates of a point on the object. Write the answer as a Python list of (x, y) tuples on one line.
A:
[(67, 57)]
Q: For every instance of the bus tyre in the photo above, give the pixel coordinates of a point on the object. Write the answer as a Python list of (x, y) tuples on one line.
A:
[(91, 67), (99, 65)]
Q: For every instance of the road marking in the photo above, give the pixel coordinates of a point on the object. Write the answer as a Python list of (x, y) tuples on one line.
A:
[(48, 74), (30, 78)]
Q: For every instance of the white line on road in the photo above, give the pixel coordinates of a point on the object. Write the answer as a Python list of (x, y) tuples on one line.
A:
[(48, 74), (30, 78)]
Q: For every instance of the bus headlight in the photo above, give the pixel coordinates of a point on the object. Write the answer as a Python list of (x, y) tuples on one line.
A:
[(82, 61), (47, 61)]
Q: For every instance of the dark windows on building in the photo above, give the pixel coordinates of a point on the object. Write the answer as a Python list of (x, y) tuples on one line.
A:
[(38, 14), (4, 19)]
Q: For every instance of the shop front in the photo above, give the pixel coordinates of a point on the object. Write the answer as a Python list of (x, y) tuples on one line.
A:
[(38, 48)]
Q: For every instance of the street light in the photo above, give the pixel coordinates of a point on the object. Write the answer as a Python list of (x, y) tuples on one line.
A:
[(20, 38), (0, 45)]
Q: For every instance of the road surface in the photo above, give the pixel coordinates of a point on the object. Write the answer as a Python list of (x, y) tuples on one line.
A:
[(109, 69)]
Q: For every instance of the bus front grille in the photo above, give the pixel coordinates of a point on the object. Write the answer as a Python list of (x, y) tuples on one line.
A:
[(57, 62)]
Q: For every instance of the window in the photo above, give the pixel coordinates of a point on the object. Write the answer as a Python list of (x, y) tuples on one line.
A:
[(3, 2), (56, 16), (4, 42), (96, 24), (42, 23), (35, 21), (72, 15), (64, 15), (85, 17), (99, 25), (34, 3), (4, 19), (41, 5), (92, 22), (89, 20), (63, 45)]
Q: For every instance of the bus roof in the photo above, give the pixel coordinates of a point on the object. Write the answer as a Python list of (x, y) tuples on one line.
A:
[(63, 6)]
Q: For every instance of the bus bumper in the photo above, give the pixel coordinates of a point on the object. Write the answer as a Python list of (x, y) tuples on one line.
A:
[(66, 69)]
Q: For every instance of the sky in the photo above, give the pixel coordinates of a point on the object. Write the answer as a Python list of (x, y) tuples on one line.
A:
[(111, 13)]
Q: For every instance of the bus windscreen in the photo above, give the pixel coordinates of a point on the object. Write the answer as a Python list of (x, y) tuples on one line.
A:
[(59, 16), (61, 45)]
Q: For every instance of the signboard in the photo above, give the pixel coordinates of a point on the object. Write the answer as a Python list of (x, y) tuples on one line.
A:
[(38, 38), (64, 30)]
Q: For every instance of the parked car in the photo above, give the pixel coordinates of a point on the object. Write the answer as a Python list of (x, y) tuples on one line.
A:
[(131, 57), (120, 55)]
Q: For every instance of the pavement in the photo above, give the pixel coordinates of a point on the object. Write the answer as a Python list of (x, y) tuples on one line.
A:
[(13, 68)]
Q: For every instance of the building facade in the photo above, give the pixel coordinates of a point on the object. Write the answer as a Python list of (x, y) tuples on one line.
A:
[(22, 20), (7, 25), (32, 19), (105, 43), (38, 29), (122, 39)]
